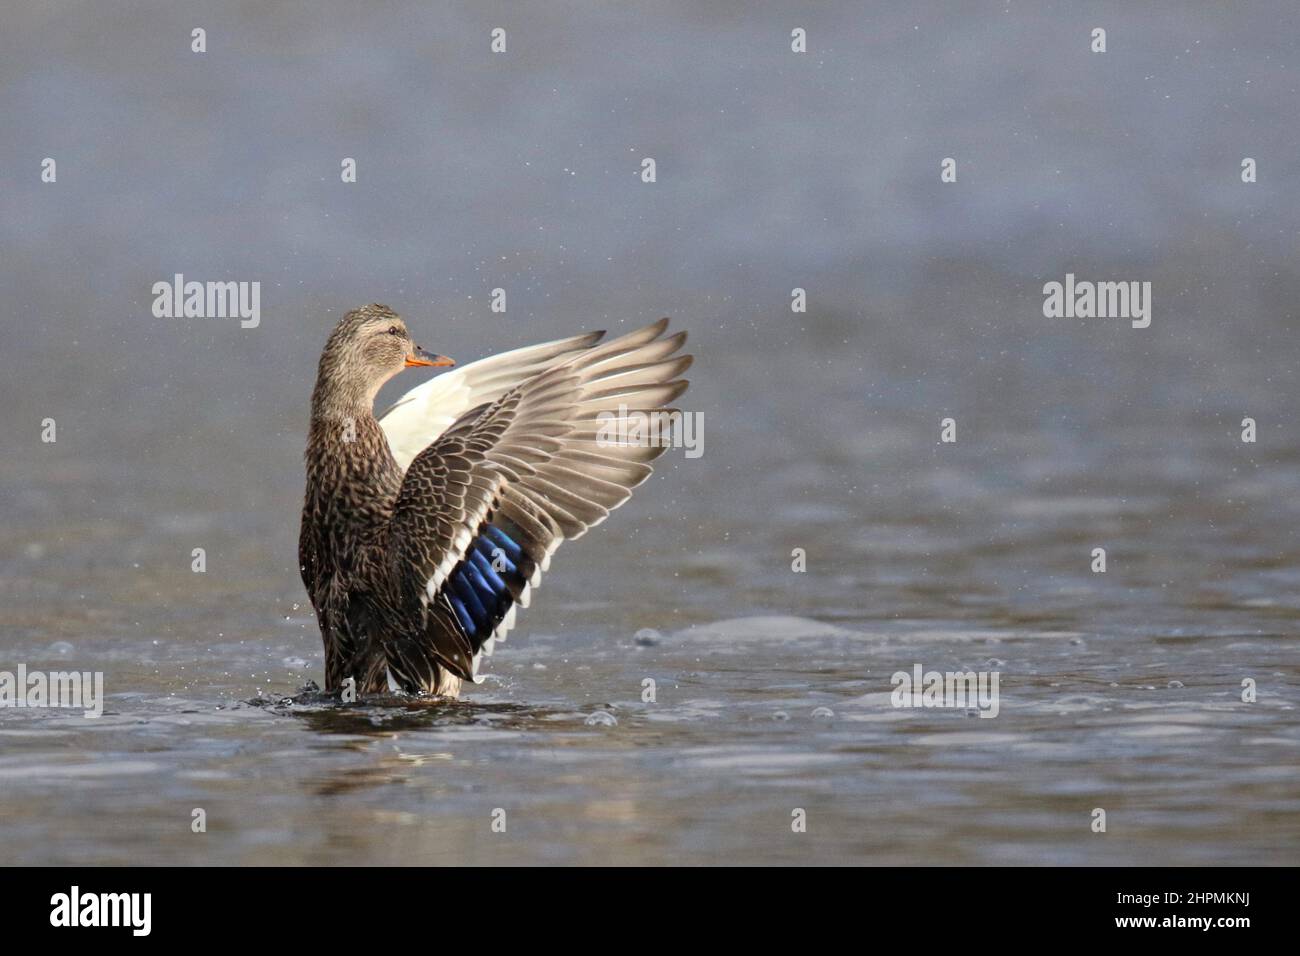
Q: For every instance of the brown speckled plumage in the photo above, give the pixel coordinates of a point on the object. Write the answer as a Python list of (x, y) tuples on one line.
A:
[(395, 559)]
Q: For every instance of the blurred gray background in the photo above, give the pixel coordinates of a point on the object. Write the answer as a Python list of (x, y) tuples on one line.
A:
[(775, 171)]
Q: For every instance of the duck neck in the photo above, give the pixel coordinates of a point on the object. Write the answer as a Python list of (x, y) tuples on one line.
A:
[(349, 462), (342, 400)]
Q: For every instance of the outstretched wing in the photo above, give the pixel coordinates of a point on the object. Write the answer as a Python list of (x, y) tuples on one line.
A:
[(415, 420), (482, 510)]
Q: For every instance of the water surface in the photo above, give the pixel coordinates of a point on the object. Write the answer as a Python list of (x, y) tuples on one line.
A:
[(1119, 691)]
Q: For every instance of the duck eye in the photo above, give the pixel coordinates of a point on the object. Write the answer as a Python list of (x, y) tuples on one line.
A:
[(394, 330)]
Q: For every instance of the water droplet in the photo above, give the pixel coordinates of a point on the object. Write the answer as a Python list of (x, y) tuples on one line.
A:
[(780, 715), (61, 648), (601, 718), (647, 637), (1175, 684), (823, 713)]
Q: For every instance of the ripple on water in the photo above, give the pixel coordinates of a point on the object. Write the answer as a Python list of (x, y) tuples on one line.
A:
[(767, 629), (967, 739), (760, 760), (30, 773)]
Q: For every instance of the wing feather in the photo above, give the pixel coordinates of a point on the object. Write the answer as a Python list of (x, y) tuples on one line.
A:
[(516, 477), (418, 418)]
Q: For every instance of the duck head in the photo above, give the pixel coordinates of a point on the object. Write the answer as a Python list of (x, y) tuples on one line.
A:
[(368, 347)]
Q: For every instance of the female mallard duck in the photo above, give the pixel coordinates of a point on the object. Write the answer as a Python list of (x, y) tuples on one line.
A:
[(424, 530)]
